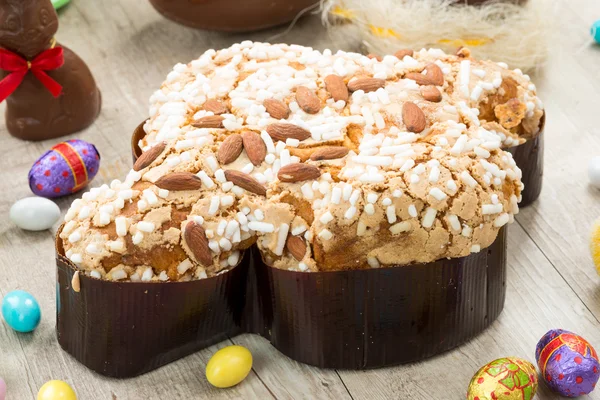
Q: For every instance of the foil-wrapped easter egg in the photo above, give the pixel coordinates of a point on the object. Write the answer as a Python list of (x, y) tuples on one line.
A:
[(66, 168), (508, 378), (568, 363)]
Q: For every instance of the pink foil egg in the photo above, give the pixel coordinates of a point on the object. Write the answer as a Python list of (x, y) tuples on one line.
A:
[(66, 168)]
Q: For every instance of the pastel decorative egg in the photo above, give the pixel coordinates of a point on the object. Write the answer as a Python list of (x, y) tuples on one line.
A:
[(2, 389), (594, 171), (229, 366), (66, 168), (508, 378), (21, 311), (596, 31), (34, 213), (568, 363), (56, 390)]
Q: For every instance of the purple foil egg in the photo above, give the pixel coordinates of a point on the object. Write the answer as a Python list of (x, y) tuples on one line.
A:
[(66, 168), (568, 363)]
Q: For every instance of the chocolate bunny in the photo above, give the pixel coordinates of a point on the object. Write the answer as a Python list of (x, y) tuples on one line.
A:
[(27, 28)]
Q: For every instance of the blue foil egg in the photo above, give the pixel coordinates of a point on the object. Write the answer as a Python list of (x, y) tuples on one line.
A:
[(21, 311), (596, 31)]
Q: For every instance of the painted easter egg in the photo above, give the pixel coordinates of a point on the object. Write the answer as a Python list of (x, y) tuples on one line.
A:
[(568, 363), (66, 168), (56, 390), (229, 366), (21, 311), (34, 213), (508, 378)]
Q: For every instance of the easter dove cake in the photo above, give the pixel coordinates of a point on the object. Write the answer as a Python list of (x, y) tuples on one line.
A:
[(325, 161)]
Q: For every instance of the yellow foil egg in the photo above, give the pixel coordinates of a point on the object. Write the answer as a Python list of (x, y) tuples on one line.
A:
[(508, 378), (229, 366), (56, 390)]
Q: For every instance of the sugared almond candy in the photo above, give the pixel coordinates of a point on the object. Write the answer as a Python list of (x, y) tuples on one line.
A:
[(179, 181), (148, 156), (282, 131), (336, 87), (298, 172), (256, 150), (307, 100), (433, 76), (375, 56), (431, 93), (196, 240), (296, 246), (230, 149), (277, 108), (210, 121), (400, 54), (413, 117), (366, 84), (329, 153), (246, 182), (215, 106)]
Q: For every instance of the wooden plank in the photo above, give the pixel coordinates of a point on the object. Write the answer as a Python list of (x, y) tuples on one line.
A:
[(288, 379)]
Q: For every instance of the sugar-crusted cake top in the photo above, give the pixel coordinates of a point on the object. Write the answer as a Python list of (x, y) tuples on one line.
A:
[(326, 161)]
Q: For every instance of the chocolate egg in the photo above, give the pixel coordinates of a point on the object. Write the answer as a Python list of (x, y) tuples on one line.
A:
[(568, 363), (508, 378), (66, 168)]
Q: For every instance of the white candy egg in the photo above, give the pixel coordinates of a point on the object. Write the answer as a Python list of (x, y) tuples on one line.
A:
[(34, 213), (594, 172)]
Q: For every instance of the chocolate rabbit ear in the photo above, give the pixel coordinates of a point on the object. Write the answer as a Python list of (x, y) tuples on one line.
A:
[(19, 18)]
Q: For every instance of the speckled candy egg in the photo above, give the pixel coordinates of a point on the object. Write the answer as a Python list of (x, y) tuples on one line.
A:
[(568, 363), (508, 378), (66, 168)]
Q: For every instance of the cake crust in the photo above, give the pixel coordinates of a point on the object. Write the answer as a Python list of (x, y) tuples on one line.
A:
[(256, 144)]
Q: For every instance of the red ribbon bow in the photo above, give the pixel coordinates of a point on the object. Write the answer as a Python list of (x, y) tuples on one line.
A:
[(18, 67)]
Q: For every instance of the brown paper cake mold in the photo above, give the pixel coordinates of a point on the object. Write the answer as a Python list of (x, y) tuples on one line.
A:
[(124, 329), (344, 319), (529, 157), (232, 15)]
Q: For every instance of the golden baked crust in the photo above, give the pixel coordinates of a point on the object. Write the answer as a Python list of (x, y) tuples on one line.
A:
[(363, 162)]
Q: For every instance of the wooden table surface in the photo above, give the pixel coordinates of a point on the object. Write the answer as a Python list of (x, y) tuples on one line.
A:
[(551, 280)]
